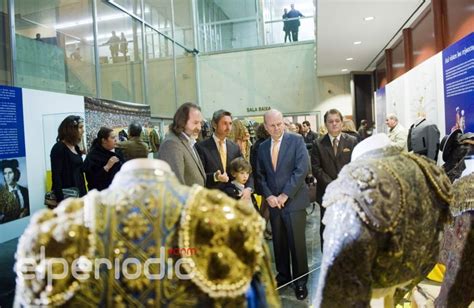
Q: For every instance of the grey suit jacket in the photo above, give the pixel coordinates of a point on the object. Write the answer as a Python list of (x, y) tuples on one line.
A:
[(186, 165)]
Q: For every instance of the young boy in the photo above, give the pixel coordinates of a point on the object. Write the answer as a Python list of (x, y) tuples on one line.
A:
[(240, 170)]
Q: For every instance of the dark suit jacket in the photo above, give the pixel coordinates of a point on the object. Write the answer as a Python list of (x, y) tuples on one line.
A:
[(325, 164), (310, 138), (211, 161), (423, 139), (289, 176), (26, 200)]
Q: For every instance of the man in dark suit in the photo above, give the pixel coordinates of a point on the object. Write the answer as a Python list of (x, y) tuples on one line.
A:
[(308, 135), (282, 167), (329, 154), (11, 176), (178, 148), (218, 151)]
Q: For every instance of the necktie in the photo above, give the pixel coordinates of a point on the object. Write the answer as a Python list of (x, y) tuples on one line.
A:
[(223, 155), (193, 147), (17, 197), (275, 150), (335, 144)]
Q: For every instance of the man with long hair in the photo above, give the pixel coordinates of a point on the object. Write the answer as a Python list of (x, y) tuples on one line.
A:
[(178, 148)]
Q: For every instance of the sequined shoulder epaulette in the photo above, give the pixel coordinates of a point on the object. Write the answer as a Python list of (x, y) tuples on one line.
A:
[(463, 195), (377, 187), (229, 235), (57, 234)]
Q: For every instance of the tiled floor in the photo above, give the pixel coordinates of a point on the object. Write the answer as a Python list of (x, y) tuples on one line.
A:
[(287, 294)]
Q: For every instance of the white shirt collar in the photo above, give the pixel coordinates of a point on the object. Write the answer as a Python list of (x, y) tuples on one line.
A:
[(190, 140), (338, 137), (217, 140), (11, 189), (238, 185), (279, 139)]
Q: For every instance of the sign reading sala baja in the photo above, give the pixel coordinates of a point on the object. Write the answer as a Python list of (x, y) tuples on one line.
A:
[(257, 109)]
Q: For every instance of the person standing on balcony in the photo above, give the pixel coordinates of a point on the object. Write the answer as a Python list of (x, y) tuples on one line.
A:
[(286, 26), (294, 22)]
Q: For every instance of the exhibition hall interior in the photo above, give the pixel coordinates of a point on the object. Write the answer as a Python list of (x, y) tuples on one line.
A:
[(237, 153)]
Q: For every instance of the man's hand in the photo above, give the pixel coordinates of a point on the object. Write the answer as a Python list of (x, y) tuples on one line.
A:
[(273, 202), (282, 198), (247, 194), (221, 177)]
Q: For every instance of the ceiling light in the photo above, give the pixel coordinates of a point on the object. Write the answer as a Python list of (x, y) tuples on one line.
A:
[(357, 42), (344, 70), (349, 59), (369, 18)]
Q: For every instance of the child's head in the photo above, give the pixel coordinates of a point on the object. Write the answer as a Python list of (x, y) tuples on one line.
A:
[(240, 169)]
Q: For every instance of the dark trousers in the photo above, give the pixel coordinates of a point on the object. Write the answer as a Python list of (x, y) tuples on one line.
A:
[(294, 35), (289, 238), (322, 210), (287, 35)]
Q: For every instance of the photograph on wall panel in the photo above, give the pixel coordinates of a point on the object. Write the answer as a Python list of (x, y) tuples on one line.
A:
[(115, 115), (14, 197), (458, 76)]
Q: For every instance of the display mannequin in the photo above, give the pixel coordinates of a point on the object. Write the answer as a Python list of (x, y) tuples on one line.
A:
[(384, 205), (159, 243), (423, 138), (457, 251)]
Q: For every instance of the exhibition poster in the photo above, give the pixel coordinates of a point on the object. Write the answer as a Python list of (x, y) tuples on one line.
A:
[(14, 197), (458, 78)]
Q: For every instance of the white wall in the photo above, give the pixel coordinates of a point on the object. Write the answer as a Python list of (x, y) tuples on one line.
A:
[(39, 107), (281, 77), (335, 92)]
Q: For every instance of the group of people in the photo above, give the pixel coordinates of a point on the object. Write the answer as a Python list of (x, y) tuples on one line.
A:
[(275, 168), (117, 44), (279, 165), (291, 23), (103, 160)]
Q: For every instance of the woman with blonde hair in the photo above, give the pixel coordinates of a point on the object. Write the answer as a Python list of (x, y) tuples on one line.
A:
[(349, 128), (240, 135)]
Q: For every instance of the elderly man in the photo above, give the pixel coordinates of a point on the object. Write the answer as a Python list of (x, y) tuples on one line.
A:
[(282, 167), (178, 148), (397, 134)]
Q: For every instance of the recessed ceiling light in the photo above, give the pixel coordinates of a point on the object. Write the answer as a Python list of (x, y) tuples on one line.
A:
[(349, 59), (369, 18), (344, 70), (357, 42)]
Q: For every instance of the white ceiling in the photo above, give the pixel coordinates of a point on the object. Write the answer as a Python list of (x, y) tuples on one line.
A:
[(341, 22)]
